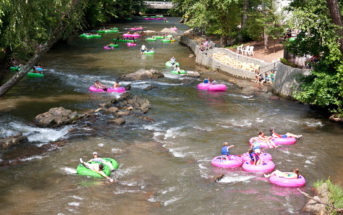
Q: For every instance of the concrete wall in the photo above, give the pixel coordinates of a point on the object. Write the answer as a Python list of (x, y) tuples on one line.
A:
[(205, 58), (287, 79)]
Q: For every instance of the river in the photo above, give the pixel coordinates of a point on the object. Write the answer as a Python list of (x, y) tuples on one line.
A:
[(165, 165)]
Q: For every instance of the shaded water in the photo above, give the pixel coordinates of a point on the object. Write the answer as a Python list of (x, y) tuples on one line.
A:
[(164, 166)]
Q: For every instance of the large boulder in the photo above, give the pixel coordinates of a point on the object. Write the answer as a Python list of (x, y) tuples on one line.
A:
[(56, 117), (142, 74), (12, 141)]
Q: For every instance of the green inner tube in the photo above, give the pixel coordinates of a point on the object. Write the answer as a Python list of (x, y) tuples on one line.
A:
[(113, 45), (291, 39), (158, 37), (149, 52), (35, 75), (150, 39), (14, 68), (89, 36), (168, 64), (181, 72), (82, 170), (145, 16), (123, 40), (166, 41), (129, 18)]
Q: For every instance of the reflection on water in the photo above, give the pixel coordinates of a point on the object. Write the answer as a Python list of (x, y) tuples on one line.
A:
[(164, 166)]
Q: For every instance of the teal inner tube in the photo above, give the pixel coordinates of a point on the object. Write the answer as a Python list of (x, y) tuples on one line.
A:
[(150, 39), (82, 170), (35, 75), (158, 37), (149, 52), (166, 41), (168, 64), (182, 72)]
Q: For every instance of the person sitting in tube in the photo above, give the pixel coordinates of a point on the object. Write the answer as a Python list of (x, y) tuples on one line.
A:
[(177, 69), (143, 49), (255, 156), (276, 135), (211, 81), (291, 175), (226, 150), (116, 84), (98, 159), (267, 140), (255, 145), (99, 85), (205, 81), (96, 167), (172, 60)]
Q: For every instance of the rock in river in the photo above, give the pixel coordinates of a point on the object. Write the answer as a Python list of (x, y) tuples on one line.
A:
[(56, 117), (142, 74)]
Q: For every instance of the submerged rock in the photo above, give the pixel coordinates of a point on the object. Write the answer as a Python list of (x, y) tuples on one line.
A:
[(150, 87), (8, 142), (142, 74), (56, 117), (118, 121), (193, 74)]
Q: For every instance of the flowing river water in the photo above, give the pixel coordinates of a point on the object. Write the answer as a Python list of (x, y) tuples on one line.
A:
[(165, 165)]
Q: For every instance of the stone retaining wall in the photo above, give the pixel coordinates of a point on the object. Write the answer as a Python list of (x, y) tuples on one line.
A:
[(287, 79)]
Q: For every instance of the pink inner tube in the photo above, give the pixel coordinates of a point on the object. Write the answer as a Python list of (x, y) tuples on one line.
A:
[(287, 182), (203, 86), (267, 166), (174, 29), (232, 162), (263, 144), (109, 90), (264, 156), (284, 141), (131, 44), (108, 47), (130, 35), (136, 29), (217, 87)]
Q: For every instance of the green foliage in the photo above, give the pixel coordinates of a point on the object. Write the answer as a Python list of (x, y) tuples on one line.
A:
[(24, 24), (319, 38), (286, 62), (335, 194)]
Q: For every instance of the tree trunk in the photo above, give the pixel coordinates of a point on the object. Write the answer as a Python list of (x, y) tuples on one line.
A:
[(265, 39), (245, 13), (244, 19), (335, 13), (39, 52), (223, 40)]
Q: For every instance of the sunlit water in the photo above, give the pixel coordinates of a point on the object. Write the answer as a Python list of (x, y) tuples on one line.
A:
[(164, 166)]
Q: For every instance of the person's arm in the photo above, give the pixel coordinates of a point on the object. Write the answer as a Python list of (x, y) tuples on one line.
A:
[(229, 147), (103, 174)]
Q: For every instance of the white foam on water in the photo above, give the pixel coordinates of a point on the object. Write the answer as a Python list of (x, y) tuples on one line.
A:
[(209, 129), (170, 189), (308, 162), (155, 126), (234, 179), (173, 132), (35, 157), (172, 200), (116, 150), (118, 192), (298, 154), (314, 124), (152, 199), (74, 204), (168, 84), (101, 145), (259, 120), (77, 197), (126, 171), (177, 153), (42, 135), (70, 209), (238, 123), (129, 183), (240, 95), (68, 170)]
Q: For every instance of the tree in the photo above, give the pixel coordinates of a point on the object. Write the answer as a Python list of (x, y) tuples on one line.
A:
[(319, 37)]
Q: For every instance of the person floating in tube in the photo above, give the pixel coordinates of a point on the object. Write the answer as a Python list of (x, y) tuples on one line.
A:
[(99, 85), (172, 61), (291, 175), (276, 135), (143, 49), (226, 150), (96, 167)]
